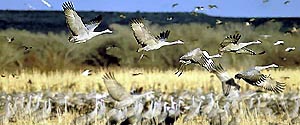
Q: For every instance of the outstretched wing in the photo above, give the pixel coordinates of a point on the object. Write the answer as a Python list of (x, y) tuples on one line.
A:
[(115, 89), (163, 36), (93, 24), (246, 50), (74, 22), (230, 39), (142, 35), (222, 75), (265, 82)]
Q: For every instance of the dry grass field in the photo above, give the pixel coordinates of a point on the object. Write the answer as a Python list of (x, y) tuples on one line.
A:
[(165, 81)]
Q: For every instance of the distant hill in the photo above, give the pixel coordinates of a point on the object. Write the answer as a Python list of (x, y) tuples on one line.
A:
[(54, 21)]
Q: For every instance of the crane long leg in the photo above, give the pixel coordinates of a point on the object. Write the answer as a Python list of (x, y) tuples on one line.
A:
[(179, 70), (143, 55)]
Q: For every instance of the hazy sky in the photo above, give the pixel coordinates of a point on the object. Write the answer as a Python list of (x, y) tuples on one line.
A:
[(232, 8)]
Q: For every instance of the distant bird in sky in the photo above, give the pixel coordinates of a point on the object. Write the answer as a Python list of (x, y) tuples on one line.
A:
[(231, 44), (212, 6), (279, 42), (46, 3), (80, 32), (287, 2), (197, 8), (10, 39), (265, 1), (290, 49), (255, 78), (86, 72), (146, 40), (174, 5)]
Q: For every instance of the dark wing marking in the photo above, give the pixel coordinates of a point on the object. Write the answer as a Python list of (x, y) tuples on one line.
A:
[(93, 24), (230, 39)]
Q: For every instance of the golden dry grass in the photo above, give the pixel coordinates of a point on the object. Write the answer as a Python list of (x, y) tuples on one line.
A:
[(73, 81), (166, 81)]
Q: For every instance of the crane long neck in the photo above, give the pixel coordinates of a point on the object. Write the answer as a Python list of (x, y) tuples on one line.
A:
[(259, 68), (172, 42)]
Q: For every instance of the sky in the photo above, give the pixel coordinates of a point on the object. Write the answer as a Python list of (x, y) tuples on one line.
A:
[(226, 8)]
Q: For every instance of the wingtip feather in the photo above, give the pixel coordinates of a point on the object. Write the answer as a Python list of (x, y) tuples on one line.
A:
[(68, 5)]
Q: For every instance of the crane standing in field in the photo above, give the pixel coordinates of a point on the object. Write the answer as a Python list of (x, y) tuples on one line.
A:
[(146, 40), (80, 32)]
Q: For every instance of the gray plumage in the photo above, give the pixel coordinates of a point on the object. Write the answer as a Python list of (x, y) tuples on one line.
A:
[(195, 57), (231, 44), (146, 40), (80, 32), (255, 78)]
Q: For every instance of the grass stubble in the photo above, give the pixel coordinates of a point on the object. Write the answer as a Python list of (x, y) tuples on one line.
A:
[(165, 81)]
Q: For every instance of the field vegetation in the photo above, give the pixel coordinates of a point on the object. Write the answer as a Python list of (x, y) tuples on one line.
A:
[(51, 51), (55, 65)]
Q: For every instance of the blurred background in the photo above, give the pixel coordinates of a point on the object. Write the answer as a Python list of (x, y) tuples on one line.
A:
[(41, 35)]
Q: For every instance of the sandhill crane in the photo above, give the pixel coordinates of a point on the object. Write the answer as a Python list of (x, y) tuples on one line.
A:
[(197, 8), (231, 44), (194, 57), (287, 2), (163, 115), (86, 72), (255, 78), (212, 6), (193, 112), (87, 118), (116, 116), (43, 113), (290, 49), (118, 92), (4, 118), (202, 58), (218, 22), (80, 32), (279, 42), (222, 75), (10, 39), (174, 5), (146, 40)]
